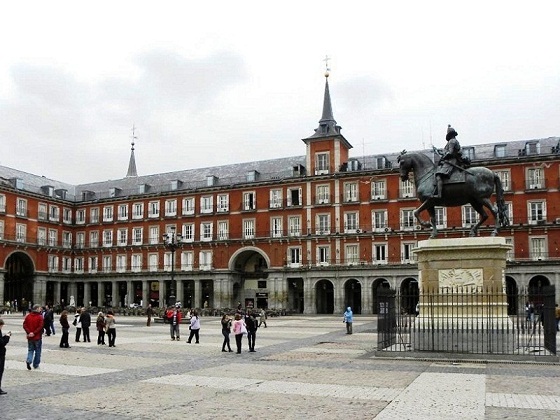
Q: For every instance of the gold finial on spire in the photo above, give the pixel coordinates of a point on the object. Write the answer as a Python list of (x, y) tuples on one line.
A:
[(134, 138), (327, 68)]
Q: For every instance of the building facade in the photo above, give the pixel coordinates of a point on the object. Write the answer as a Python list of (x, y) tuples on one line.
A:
[(309, 234)]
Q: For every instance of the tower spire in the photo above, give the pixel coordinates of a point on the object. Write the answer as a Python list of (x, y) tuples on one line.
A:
[(132, 163)]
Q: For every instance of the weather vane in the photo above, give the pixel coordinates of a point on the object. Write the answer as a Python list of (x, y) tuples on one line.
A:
[(134, 138), (327, 68)]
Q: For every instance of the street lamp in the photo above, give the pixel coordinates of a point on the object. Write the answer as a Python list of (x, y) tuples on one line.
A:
[(172, 241)]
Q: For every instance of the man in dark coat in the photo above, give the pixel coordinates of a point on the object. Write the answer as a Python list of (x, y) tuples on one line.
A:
[(4, 339), (252, 324), (85, 320)]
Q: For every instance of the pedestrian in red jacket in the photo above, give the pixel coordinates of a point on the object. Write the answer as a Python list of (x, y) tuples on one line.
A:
[(33, 326)]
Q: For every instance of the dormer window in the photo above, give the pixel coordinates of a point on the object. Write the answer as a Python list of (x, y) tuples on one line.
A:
[(252, 176), (114, 192), (321, 163), (211, 181), (48, 190), (143, 188), (176, 184), (532, 148), (500, 150), (468, 152)]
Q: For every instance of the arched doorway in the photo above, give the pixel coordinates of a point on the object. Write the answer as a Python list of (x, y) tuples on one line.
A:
[(250, 265), (324, 295), (376, 286), (535, 289), (353, 295), (18, 280), (409, 295), (512, 294)]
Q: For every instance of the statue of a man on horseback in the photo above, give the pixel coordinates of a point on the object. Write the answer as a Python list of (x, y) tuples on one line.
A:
[(451, 159)]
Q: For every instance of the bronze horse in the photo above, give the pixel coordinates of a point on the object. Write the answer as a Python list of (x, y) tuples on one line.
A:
[(477, 189)]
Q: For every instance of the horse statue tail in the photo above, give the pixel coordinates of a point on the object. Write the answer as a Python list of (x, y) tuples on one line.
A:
[(502, 213)]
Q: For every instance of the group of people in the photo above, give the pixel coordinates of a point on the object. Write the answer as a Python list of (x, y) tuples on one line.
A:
[(241, 325), (173, 316)]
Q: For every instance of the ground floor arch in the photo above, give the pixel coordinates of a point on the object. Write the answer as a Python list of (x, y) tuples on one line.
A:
[(353, 295), (18, 278), (324, 297), (409, 295), (378, 284), (535, 289), (512, 295)]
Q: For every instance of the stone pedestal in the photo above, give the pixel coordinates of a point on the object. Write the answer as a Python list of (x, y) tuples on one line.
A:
[(463, 303)]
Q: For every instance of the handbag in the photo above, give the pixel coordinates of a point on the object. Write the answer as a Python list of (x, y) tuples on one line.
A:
[(243, 329), (75, 322)]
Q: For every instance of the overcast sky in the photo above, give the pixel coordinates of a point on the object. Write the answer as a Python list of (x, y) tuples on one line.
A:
[(218, 82)]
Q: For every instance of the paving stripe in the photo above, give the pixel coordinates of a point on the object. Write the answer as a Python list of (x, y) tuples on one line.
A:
[(68, 370), (282, 387), (531, 401), (440, 396)]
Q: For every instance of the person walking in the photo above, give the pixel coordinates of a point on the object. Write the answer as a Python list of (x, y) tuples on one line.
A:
[(262, 317), (238, 330), (33, 326), (251, 324), (348, 318), (149, 314), (226, 331), (77, 324), (4, 340), (174, 324), (85, 320), (48, 316), (195, 327), (100, 325), (110, 328), (65, 325)]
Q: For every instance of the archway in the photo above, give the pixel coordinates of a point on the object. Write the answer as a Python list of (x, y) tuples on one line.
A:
[(512, 294), (250, 266), (409, 295), (375, 287), (324, 295), (18, 279), (535, 289), (353, 295)]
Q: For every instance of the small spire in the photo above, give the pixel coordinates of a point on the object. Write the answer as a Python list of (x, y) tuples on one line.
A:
[(327, 124), (132, 163)]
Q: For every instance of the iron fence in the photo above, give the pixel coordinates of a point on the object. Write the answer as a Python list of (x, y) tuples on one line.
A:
[(468, 321)]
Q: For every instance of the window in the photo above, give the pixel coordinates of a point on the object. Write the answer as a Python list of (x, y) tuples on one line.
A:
[(21, 233), (136, 263), (407, 189), (67, 215), (79, 265), (187, 258), (80, 216), (323, 194), (137, 236), (248, 228), (67, 240), (154, 235), (94, 239), (223, 230), (249, 201), (43, 212), (188, 206), (505, 177), (138, 211), (188, 232), (321, 163), (52, 264), (294, 257), (107, 264), (41, 236), (407, 256), (350, 192), (252, 176), (80, 240), (379, 220), (508, 205), (205, 260), (206, 231), (275, 199), (93, 264), (168, 261), (535, 178), (378, 190), (537, 248), (323, 255), (468, 152), (294, 197), (122, 239), (153, 262), (108, 238), (532, 148), (323, 224), (380, 253), (53, 237), (500, 150), (223, 203), (207, 204), (441, 217), (352, 254), (121, 263), (470, 216), (276, 227), (123, 212), (21, 207), (351, 222), (171, 207), (537, 212), (94, 215), (153, 209), (407, 219), (54, 213), (294, 226), (2, 203), (66, 264), (108, 213)]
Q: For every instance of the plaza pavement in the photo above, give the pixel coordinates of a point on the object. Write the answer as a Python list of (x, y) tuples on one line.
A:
[(305, 367)]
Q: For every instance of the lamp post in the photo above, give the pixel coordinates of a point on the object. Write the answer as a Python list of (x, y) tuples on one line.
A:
[(172, 241)]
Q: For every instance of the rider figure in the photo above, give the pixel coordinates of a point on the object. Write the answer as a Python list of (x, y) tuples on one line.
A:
[(450, 159)]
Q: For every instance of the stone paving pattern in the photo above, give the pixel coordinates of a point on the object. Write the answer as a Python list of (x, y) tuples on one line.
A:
[(305, 367)]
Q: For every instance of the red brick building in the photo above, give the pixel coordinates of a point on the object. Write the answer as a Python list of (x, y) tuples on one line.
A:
[(312, 233)]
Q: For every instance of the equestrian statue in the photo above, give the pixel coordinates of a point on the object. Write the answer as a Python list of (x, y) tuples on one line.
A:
[(452, 183)]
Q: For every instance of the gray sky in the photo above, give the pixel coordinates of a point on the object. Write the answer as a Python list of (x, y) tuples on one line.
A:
[(212, 83)]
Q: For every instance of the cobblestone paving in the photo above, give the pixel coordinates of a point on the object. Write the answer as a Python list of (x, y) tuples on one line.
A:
[(304, 368)]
